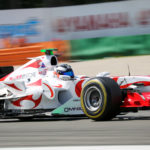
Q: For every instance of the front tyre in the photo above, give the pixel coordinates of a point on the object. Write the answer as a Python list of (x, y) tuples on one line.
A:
[(101, 98)]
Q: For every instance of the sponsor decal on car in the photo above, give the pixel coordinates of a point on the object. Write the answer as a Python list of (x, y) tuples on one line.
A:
[(69, 109), (23, 76)]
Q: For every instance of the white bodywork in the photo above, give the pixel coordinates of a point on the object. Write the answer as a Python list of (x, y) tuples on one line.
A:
[(34, 86)]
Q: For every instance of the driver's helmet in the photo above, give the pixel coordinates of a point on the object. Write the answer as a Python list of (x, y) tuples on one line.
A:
[(64, 69)]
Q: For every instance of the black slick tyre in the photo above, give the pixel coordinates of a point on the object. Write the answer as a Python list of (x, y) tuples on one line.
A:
[(101, 98), (25, 118)]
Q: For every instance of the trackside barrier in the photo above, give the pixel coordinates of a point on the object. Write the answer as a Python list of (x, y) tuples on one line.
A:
[(19, 55), (95, 48)]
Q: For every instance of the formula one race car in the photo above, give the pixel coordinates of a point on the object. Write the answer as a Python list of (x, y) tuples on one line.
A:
[(41, 87)]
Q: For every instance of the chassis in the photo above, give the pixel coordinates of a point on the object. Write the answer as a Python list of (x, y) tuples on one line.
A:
[(34, 90)]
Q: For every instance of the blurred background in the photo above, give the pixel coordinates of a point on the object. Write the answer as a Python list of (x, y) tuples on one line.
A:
[(80, 29)]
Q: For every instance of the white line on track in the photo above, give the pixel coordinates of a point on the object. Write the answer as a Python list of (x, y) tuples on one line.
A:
[(117, 147)]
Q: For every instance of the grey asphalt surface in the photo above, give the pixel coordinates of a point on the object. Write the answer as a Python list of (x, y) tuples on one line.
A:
[(131, 129)]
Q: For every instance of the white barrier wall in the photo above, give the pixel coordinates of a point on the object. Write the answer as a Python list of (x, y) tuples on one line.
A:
[(19, 22), (105, 19), (75, 22)]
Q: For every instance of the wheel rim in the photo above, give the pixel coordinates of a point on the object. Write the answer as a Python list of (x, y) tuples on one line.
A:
[(93, 98)]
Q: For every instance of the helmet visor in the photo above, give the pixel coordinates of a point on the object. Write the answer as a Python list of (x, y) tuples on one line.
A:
[(68, 73)]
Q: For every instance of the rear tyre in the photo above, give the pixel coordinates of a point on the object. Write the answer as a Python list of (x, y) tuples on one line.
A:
[(6, 70), (101, 98), (25, 118)]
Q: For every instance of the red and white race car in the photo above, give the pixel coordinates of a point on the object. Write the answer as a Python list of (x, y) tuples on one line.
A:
[(41, 87)]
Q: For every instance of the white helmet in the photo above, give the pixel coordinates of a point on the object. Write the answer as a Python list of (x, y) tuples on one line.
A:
[(64, 69)]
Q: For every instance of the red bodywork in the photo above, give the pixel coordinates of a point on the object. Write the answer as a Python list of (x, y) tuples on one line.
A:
[(135, 99)]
